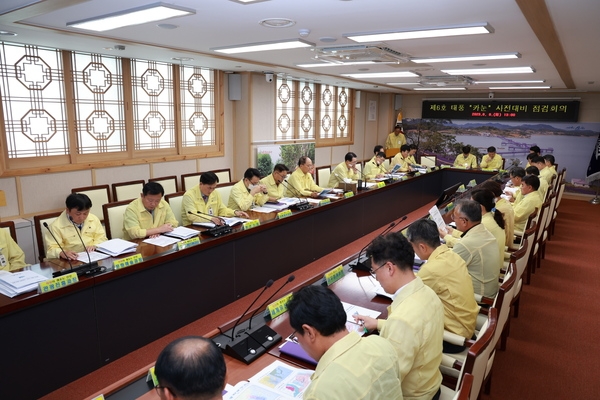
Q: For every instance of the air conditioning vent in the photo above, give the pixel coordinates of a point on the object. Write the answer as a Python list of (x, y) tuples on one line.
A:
[(354, 53), (445, 80)]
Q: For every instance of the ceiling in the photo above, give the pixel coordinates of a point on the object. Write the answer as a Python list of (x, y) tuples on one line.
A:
[(557, 38)]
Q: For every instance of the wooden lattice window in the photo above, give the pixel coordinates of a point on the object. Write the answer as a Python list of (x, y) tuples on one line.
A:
[(197, 106)]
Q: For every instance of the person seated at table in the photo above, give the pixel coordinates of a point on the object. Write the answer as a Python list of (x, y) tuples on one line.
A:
[(491, 217), (530, 156), (550, 160), (513, 192), (447, 275), (376, 150), (189, 368), (204, 199), (491, 160), (374, 168), (401, 159), (505, 208), (415, 321), (546, 173), (300, 182), (349, 367), (466, 159), (543, 184), (275, 190), (149, 215), (411, 154), (396, 139), (477, 246), (11, 255), (529, 201), (74, 225), (344, 170), (248, 192)]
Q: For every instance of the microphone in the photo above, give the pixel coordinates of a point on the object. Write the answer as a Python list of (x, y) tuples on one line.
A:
[(365, 265), (60, 247), (217, 230), (360, 183), (90, 264), (289, 279), (302, 204), (267, 285)]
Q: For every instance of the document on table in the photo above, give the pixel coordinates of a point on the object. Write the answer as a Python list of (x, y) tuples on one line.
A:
[(93, 256), (15, 283), (116, 247), (275, 382), (437, 217), (182, 232), (231, 221), (162, 241), (351, 309)]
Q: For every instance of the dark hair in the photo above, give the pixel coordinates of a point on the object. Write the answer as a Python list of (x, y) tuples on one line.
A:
[(493, 186), (532, 170), (319, 307), (398, 127), (251, 173), (486, 199), (532, 181), (424, 231), (538, 159), (380, 154), (302, 160), (549, 158), (349, 156), (209, 178), (531, 156), (535, 149), (413, 146), (377, 149), (153, 188), (191, 366), (491, 149), (392, 247), (79, 201), (517, 172), (470, 209), (466, 149), (280, 168), (404, 147)]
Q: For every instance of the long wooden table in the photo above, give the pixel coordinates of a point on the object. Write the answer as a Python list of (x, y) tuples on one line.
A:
[(60, 336)]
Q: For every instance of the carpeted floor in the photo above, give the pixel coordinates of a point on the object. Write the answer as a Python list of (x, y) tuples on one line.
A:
[(553, 351)]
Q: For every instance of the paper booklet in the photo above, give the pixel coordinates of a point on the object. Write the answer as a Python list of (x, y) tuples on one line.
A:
[(231, 221), (116, 247), (182, 232), (275, 382), (93, 256), (15, 283)]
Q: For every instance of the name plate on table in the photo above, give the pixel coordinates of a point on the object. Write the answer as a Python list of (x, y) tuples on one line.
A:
[(334, 275), (472, 183), (127, 261), (99, 397), (57, 283), (347, 195), (461, 189), (404, 178), (151, 377), (488, 169), (184, 244), (444, 166), (449, 207), (278, 307), (284, 214), (250, 224), (324, 202), (380, 184), (417, 174)]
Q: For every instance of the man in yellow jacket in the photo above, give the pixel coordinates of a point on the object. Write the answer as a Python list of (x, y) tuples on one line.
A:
[(11, 255), (150, 215), (396, 139)]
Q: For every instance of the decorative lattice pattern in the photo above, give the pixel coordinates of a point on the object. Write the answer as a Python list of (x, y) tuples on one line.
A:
[(197, 106)]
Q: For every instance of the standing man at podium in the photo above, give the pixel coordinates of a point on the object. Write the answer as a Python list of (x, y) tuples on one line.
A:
[(395, 139)]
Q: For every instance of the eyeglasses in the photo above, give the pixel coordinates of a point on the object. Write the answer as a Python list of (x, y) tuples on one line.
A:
[(373, 271)]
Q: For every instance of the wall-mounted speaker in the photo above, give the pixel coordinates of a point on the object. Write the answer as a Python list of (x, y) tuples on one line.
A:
[(398, 102), (235, 86), (357, 99)]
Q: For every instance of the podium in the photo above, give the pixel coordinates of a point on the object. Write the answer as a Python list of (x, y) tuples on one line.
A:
[(389, 153)]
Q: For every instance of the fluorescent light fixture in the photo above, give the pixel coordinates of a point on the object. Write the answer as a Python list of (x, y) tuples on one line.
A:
[(440, 88), (481, 57), (247, 1), (400, 74), (337, 64), (402, 83), (264, 46), (384, 36), (484, 71), (133, 16), (511, 82), (519, 87)]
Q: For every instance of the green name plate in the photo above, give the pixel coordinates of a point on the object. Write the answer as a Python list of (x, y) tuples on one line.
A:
[(444, 166), (324, 202), (184, 244), (488, 169), (461, 189), (380, 184), (404, 178), (284, 214), (99, 397), (251, 224), (347, 195), (417, 173), (334, 275), (151, 377), (472, 183), (57, 283), (278, 307), (127, 261), (449, 207)]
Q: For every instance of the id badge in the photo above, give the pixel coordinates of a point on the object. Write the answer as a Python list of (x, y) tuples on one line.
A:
[(2, 260)]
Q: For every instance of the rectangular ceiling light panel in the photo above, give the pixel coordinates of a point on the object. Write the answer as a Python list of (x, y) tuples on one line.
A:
[(386, 36)]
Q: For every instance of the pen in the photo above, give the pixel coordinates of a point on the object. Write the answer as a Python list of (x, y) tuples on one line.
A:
[(361, 322)]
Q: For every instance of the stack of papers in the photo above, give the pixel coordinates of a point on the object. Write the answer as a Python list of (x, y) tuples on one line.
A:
[(162, 241), (279, 206), (116, 247), (16, 283), (182, 232), (231, 221), (93, 256)]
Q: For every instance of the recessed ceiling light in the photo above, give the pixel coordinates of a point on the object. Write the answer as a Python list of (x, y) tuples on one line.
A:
[(334, 64), (248, 1), (384, 36), (277, 22), (133, 16), (182, 58), (484, 71), (399, 74), (327, 39), (264, 46), (440, 88), (7, 33), (402, 83), (511, 82), (519, 87), (479, 57), (168, 26)]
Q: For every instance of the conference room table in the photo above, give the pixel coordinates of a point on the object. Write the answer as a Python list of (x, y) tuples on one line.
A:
[(57, 337)]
